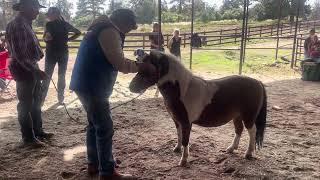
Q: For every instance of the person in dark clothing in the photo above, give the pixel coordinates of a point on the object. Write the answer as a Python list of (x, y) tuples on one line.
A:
[(154, 38), (175, 43), (195, 40), (56, 37), (99, 59), (25, 52)]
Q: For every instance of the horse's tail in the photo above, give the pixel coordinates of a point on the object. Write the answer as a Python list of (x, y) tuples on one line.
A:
[(261, 120)]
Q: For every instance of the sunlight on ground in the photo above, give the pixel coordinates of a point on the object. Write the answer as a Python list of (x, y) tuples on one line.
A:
[(5, 119), (40, 164), (69, 154)]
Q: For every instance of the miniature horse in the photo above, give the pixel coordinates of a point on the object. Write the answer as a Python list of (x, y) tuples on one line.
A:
[(192, 100)]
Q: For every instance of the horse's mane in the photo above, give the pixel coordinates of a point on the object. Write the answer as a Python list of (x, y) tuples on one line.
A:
[(177, 72)]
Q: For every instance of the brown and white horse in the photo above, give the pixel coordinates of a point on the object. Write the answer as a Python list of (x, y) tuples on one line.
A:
[(192, 100)]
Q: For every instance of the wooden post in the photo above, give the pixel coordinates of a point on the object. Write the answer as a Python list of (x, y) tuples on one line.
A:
[(184, 40), (220, 36), (260, 31), (144, 42), (299, 26), (248, 34), (235, 35), (281, 29)]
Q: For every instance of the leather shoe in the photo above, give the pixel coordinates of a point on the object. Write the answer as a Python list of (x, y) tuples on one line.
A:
[(45, 136), (92, 170), (34, 143)]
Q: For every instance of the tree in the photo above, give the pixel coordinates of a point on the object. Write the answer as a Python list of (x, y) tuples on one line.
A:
[(230, 4), (144, 9), (91, 8), (6, 12), (315, 14), (65, 8), (180, 4)]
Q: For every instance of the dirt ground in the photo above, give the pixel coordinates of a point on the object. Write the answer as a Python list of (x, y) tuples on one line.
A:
[(145, 136)]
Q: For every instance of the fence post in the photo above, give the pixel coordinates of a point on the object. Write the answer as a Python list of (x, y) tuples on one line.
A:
[(300, 26), (220, 36), (184, 40), (144, 42), (235, 35), (271, 30), (281, 29), (248, 34), (260, 31)]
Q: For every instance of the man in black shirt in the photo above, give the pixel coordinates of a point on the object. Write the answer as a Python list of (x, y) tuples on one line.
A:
[(57, 36)]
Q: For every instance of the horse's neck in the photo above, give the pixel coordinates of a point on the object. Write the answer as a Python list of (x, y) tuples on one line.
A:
[(177, 73)]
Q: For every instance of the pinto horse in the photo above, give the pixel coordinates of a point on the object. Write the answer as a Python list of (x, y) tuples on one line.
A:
[(192, 100)]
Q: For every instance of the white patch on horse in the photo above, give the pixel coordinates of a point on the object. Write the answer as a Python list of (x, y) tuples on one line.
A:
[(195, 93), (179, 143), (235, 144), (252, 141), (184, 157)]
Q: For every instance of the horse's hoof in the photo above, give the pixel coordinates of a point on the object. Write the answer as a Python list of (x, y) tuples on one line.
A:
[(177, 149), (230, 150), (183, 163), (248, 156)]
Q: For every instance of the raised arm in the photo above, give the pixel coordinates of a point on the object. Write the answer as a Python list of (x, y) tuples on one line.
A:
[(110, 42)]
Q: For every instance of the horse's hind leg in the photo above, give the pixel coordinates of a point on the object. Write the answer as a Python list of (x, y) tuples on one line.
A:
[(238, 126), (177, 149), (252, 140)]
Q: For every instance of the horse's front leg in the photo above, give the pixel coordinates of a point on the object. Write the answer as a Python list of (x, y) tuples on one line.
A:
[(186, 128), (177, 149)]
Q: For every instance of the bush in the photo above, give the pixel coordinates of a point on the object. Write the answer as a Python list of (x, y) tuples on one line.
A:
[(82, 21)]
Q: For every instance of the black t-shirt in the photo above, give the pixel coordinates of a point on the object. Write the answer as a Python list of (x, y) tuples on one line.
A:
[(175, 47), (154, 38), (59, 31)]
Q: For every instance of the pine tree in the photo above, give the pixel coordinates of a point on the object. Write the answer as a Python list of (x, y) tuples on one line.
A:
[(91, 8), (65, 8)]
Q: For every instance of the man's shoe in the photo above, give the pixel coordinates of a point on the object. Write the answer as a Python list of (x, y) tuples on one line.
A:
[(92, 170), (34, 143), (45, 136), (117, 176)]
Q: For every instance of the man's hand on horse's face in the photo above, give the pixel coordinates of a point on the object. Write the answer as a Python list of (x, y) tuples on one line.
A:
[(147, 69)]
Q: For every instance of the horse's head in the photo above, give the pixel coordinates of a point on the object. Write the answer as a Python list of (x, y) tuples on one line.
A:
[(144, 78)]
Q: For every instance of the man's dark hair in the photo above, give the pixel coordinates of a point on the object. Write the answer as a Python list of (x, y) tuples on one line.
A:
[(124, 16)]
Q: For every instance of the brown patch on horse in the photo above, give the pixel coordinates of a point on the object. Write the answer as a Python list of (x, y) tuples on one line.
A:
[(190, 99)]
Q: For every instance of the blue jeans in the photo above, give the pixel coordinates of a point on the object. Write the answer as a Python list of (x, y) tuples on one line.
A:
[(99, 132), (51, 61)]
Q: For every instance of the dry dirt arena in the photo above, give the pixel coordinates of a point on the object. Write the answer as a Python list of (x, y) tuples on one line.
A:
[(145, 136)]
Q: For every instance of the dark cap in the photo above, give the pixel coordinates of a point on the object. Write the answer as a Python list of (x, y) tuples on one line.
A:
[(53, 10), (23, 3), (125, 16)]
